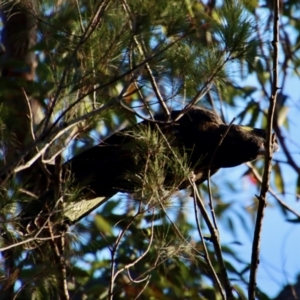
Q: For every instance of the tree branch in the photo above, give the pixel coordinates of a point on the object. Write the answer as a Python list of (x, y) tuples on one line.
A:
[(268, 160)]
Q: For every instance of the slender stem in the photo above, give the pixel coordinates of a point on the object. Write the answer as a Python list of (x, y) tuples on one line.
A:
[(217, 246), (206, 254), (268, 160)]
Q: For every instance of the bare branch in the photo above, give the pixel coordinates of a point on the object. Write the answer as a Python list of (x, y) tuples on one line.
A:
[(113, 253), (206, 254), (217, 245), (272, 192), (142, 51), (268, 159), (95, 21)]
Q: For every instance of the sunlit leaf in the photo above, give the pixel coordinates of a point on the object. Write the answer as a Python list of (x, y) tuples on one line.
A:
[(279, 182)]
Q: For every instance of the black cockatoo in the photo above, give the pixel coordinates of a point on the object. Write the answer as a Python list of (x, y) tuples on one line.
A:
[(198, 134), (102, 170)]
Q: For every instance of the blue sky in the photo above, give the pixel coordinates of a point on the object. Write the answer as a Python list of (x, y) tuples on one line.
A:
[(280, 246)]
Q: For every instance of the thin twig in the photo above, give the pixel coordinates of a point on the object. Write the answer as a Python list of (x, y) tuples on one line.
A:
[(203, 90), (142, 51), (33, 239), (149, 269), (59, 253), (144, 287), (95, 21), (271, 191), (141, 256), (30, 114), (33, 136), (206, 254), (42, 150), (179, 234), (268, 159), (217, 246), (113, 253), (36, 238), (277, 129), (123, 75)]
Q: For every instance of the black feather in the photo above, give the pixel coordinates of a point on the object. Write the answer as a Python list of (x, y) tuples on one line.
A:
[(197, 134), (200, 136)]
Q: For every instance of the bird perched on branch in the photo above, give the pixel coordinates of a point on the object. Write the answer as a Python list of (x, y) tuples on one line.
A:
[(207, 141), (198, 141)]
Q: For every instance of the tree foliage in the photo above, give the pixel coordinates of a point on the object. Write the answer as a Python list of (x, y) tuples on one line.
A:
[(73, 73)]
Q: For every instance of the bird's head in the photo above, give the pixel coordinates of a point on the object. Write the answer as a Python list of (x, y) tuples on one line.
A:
[(262, 133), (241, 144)]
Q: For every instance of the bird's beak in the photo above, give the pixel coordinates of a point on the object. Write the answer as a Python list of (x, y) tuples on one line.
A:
[(262, 149), (275, 147)]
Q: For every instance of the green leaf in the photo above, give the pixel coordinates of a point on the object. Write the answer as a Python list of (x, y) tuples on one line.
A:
[(278, 178), (298, 188), (103, 225)]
